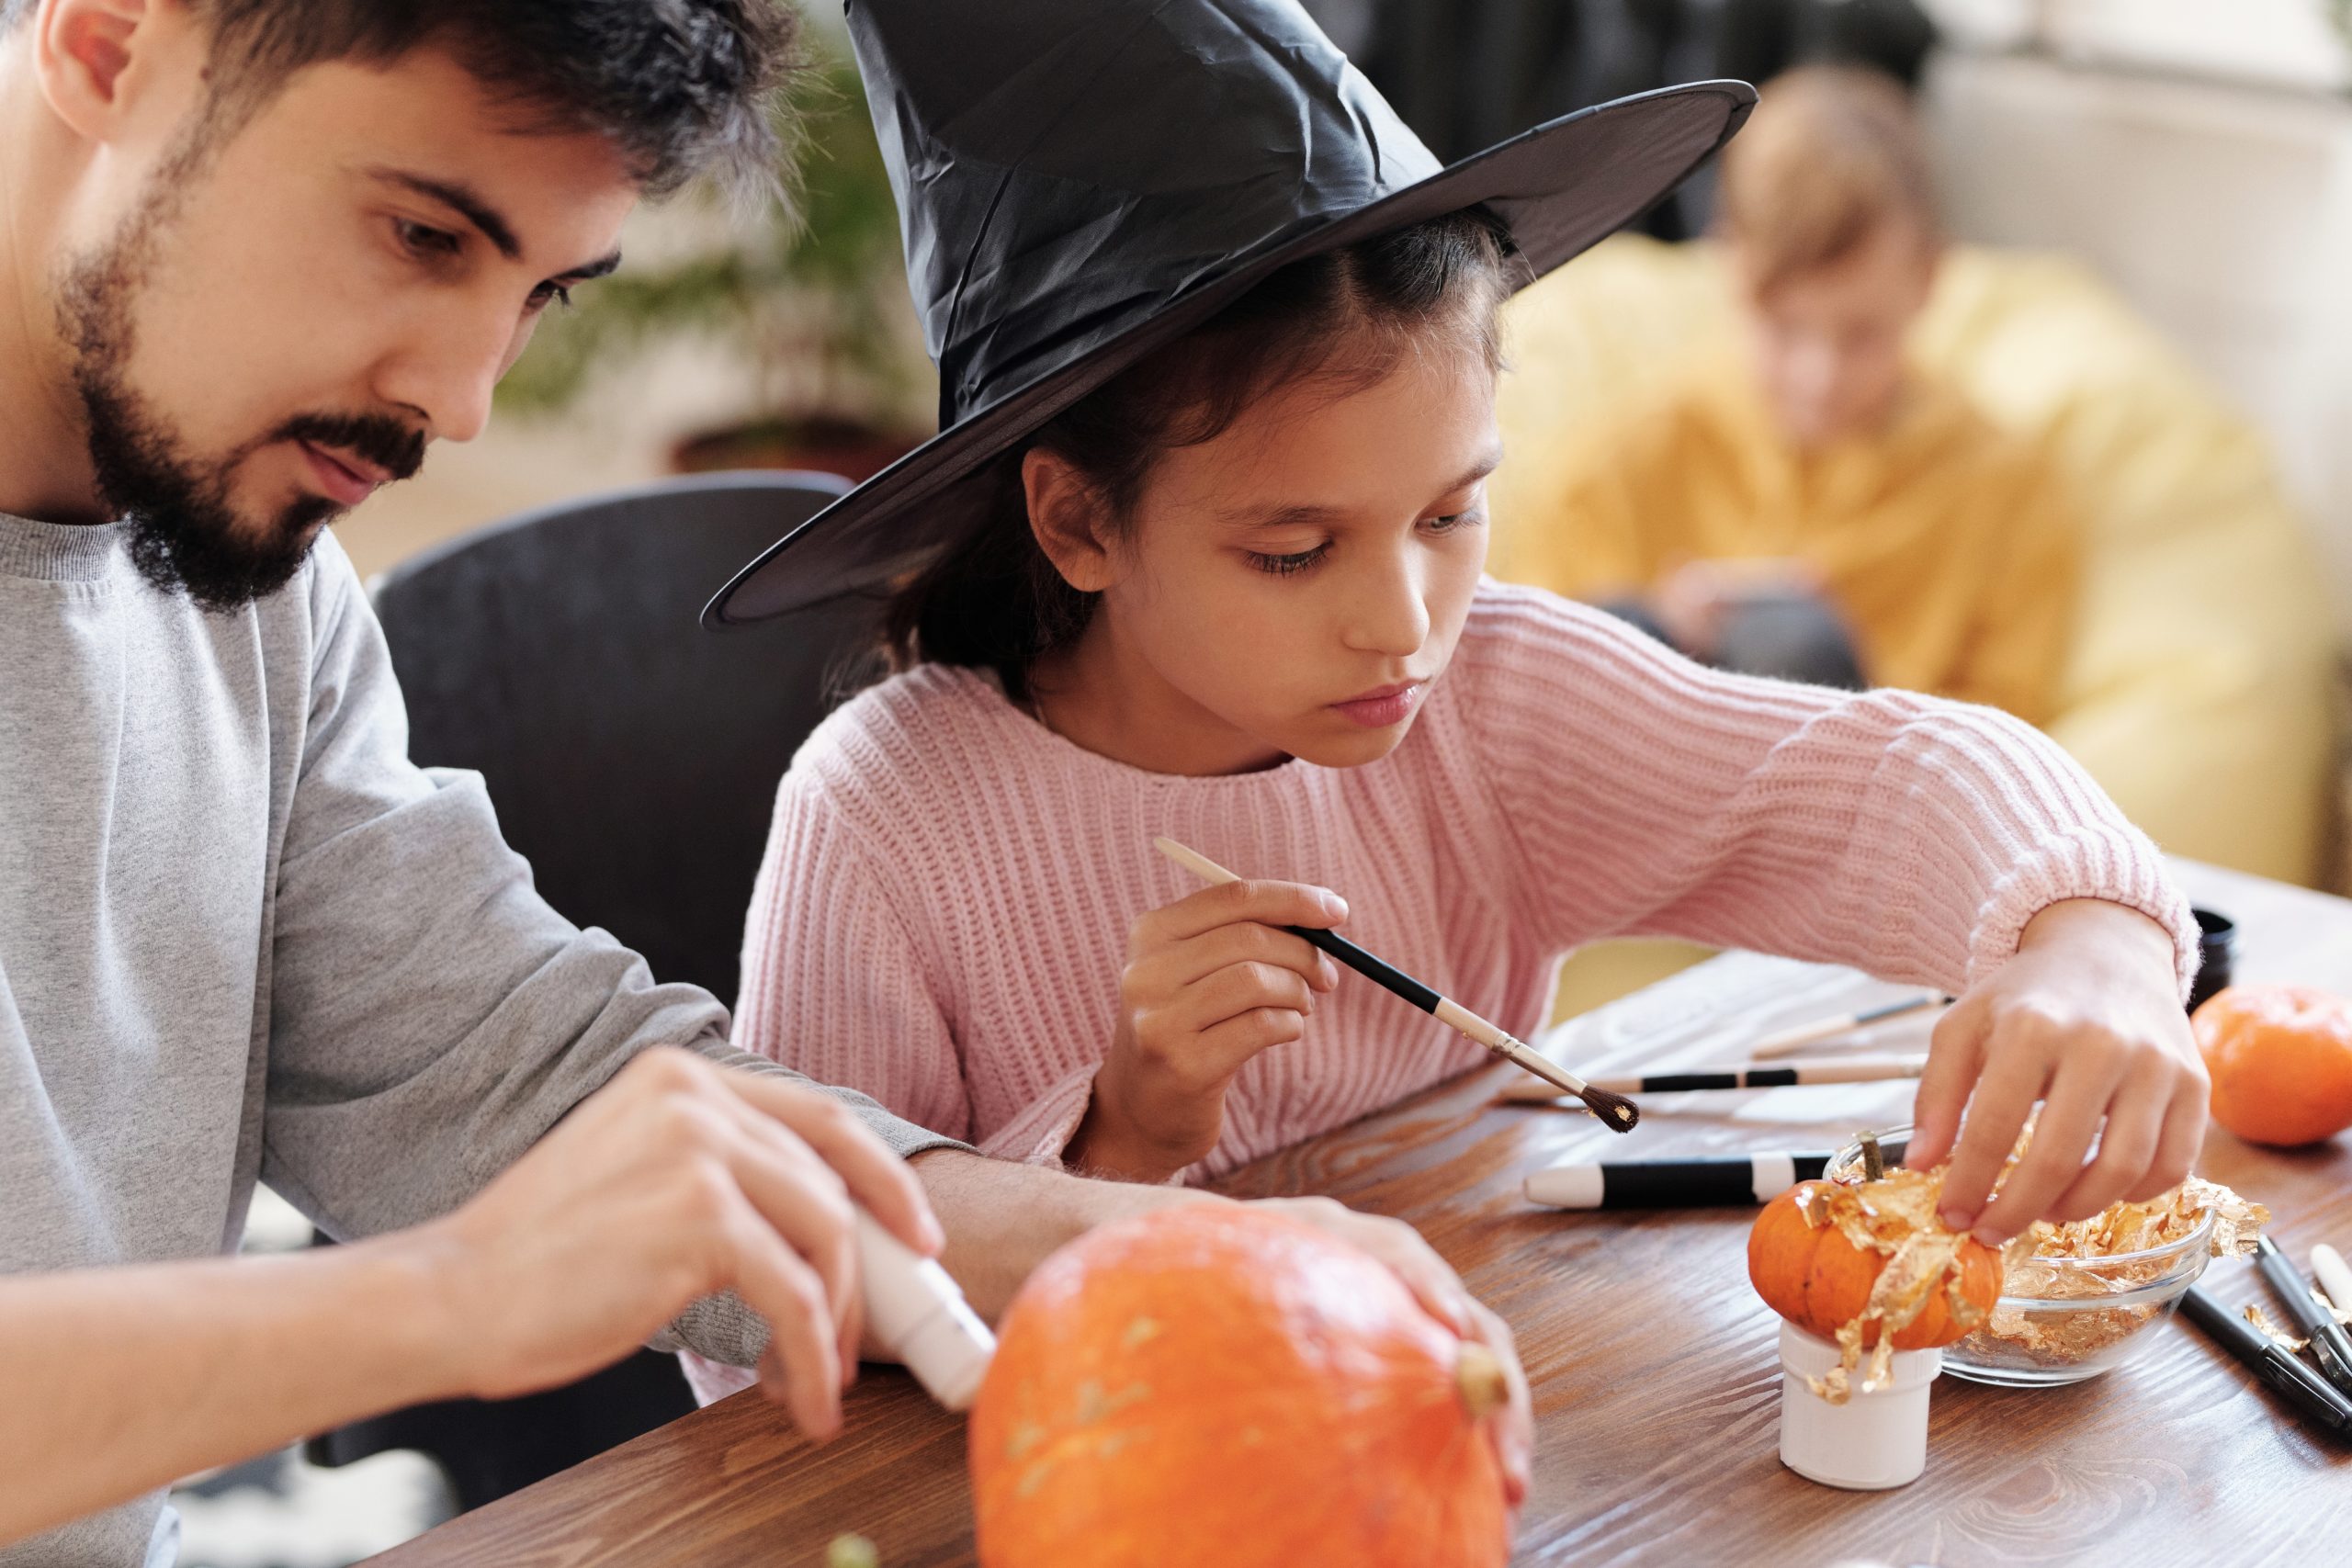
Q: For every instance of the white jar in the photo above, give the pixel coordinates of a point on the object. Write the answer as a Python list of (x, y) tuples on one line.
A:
[(1873, 1440)]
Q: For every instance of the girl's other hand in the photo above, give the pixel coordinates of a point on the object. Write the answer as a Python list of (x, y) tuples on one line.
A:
[(2087, 1018), (1211, 981)]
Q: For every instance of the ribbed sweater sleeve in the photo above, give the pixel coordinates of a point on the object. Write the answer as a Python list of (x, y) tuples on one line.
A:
[(1907, 836), (835, 982)]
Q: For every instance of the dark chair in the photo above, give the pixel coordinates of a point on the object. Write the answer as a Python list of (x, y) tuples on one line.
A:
[(633, 758)]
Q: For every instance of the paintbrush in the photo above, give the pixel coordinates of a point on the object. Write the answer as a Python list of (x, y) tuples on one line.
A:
[(1747, 1075), (1789, 1041), (1615, 1110), (1780, 1075)]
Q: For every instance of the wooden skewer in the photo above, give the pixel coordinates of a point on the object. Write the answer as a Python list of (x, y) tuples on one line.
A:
[(1788, 1042), (1616, 1112)]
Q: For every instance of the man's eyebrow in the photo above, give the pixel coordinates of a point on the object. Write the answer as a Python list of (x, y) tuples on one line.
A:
[(464, 200), (469, 204)]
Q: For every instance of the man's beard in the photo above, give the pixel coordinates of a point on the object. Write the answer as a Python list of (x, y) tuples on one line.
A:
[(186, 537)]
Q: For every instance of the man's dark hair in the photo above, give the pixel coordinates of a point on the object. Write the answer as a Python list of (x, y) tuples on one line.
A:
[(683, 87)]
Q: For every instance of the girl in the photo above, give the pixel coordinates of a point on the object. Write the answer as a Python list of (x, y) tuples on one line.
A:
[(1248, 614), (1234, 595)]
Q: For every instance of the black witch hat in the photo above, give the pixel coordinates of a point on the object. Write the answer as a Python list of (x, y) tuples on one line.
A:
[(1082, 181)]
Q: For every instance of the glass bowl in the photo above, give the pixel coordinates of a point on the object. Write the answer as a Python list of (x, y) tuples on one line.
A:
[(2062, 1320)]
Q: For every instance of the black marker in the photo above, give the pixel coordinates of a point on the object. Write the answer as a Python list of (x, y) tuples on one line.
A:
[(2297, 1383), (2330, 1346)]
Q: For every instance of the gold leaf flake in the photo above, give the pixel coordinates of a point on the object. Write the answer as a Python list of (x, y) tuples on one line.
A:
[(2271, 1331)]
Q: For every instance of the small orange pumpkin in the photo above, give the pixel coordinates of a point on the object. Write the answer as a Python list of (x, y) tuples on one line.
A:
[(1819, 1280), (1214, 1384), (2280, 1058)]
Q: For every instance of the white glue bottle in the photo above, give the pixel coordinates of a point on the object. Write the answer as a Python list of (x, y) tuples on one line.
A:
[(1873, 1441), (918, 1314)]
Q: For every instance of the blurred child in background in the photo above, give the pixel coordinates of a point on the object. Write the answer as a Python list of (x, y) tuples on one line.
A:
[(1806, 502)]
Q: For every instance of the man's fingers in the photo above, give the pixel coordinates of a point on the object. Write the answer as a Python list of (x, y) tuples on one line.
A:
[(1432, 1281), (805, 1203), (2078, 1096), (1514, 1424), (1268, 903), (880, 1180), (1955, 1055), (775, 1282)]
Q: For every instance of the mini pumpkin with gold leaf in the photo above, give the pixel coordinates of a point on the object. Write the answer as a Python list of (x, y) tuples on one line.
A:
[(1870, 1267)]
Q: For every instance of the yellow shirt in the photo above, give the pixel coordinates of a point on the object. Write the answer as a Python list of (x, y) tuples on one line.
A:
[(1949, 546)]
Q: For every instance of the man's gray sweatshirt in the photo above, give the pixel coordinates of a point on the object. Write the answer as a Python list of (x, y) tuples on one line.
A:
[(241, 936)]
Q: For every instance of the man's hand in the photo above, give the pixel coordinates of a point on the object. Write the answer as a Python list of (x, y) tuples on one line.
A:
[(2087, 1018), (1211, 981), (679, 1178)]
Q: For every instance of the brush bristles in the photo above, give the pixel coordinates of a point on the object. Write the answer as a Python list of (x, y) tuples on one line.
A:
[(1616, 1112)]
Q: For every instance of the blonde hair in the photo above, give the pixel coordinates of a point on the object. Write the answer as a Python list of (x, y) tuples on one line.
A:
[(1832, 154)]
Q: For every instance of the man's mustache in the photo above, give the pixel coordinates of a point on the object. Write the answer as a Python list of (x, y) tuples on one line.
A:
[(391, 445)]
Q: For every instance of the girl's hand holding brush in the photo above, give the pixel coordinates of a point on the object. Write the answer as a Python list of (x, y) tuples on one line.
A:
[(2087, 1018), (1211, 981)]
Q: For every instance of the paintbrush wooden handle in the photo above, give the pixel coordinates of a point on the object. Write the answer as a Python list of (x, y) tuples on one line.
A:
[(1788, 1042)]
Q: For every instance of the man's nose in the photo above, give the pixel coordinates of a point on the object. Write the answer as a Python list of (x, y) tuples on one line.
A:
[(449, 378)]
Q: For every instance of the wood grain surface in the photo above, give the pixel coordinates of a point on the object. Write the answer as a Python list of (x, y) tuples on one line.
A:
[(1656, 1383)]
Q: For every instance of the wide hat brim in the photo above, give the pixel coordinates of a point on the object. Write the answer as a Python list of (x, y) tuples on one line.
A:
[(1560, 188)]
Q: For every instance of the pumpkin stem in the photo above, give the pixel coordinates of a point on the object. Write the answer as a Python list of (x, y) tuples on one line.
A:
[(1478, 1374), (1873, 1162)]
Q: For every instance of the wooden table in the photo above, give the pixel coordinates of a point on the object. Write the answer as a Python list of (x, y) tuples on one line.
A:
[(1656, 1383)]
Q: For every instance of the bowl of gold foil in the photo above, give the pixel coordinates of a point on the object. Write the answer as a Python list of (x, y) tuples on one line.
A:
[(2078, 1299)]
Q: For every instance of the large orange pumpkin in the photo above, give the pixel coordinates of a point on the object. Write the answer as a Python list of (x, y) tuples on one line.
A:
[(2280, 1057), (1812, 1275), (1216, 1385)]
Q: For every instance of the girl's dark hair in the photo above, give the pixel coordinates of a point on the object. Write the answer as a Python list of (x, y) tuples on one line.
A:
[(1347, 317)]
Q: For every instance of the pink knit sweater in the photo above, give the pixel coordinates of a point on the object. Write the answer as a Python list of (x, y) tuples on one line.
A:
[(942, 912)]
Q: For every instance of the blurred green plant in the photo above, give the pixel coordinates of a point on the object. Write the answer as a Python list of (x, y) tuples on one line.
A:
[(2339, 12), (809, 290)]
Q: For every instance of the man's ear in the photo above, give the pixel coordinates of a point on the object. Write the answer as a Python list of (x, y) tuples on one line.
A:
[(88, 53), (1065, 515)]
